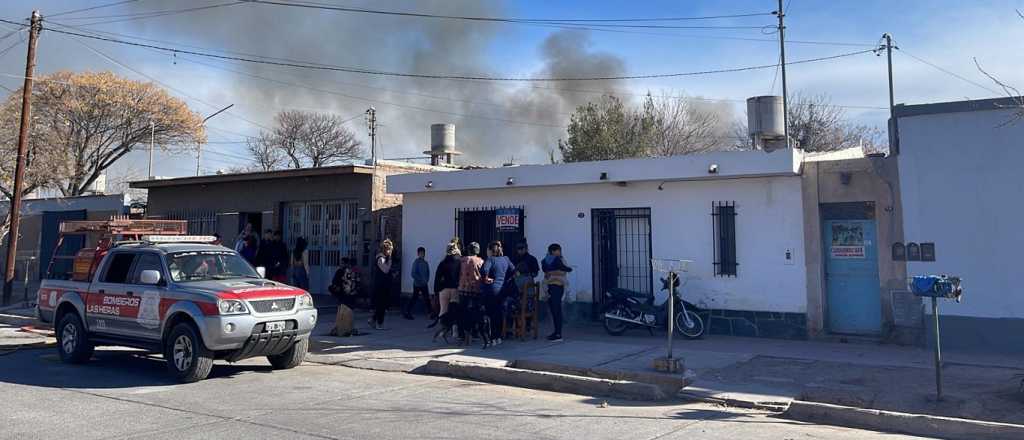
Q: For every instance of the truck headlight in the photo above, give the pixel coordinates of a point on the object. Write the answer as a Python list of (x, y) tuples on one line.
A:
[(231, 307), (306, 301)]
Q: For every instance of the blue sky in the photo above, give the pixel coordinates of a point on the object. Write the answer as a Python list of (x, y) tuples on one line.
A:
[(946, 33)]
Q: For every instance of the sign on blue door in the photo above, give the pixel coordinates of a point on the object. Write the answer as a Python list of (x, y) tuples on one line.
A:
[(851, 272)]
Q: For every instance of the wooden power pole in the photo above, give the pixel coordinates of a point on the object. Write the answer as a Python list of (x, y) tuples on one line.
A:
[(19, 170)]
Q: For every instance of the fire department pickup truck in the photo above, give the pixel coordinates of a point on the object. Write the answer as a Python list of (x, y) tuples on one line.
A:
[(193, 302)]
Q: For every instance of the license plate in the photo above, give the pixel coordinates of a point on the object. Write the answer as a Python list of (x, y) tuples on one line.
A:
[(275, 326)]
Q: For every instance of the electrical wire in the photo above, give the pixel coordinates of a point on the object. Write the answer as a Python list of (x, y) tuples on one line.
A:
[(155, 14), (324, 6), (92, 8), (946, 71), (456, 76)]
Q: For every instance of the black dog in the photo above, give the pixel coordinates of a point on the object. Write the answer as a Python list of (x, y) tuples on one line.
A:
[(473, 322), (448, 320)]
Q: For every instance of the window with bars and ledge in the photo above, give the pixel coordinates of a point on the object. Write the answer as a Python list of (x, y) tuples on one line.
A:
[(723, 216)]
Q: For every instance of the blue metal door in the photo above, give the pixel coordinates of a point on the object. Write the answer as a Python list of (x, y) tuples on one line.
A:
[(851, 272)]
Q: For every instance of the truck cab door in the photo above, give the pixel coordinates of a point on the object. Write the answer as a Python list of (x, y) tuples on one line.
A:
[(111, 306), (147, 320)]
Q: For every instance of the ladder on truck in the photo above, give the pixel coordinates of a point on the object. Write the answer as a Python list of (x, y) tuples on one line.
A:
[(109, 233)]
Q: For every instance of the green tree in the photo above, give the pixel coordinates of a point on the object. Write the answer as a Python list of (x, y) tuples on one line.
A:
[(602, 130)]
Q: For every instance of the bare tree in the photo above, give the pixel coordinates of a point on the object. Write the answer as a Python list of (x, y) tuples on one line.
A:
[(266, 156), (677, 126), (304, 139), (83, 123), (326, 140)]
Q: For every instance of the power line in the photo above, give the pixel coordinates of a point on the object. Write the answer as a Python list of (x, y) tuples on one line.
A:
[(456, 76), (152, 14), (91, 8), (467, 101), (323, 6), (948, 72)]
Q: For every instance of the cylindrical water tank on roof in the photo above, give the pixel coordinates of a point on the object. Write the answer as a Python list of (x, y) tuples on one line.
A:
[(765, 120), (442, 138)]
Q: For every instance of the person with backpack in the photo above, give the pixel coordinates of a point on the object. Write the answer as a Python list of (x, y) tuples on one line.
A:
[(555, 279)]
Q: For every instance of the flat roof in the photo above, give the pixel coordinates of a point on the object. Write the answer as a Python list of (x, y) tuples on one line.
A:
[(904, 110), (706, 166), (335, 170)]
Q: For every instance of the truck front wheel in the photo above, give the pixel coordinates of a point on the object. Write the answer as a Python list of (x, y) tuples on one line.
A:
[(187, 357), (73, 339), (291, 357)]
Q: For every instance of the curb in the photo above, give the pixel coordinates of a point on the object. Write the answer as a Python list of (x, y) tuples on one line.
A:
[(669, 384), (365, 364), (890, 421), (704, 396), (18, 320), (543, 380)]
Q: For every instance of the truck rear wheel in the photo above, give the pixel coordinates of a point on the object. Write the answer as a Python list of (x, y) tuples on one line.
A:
[(187, 357), (73, 340), (291, 357)]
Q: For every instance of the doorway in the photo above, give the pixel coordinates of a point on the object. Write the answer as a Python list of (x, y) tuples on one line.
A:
[(621, 240), (851, 268), (331, 231)]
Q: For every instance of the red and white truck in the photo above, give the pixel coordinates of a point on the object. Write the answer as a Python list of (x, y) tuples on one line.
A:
[(146, 285)]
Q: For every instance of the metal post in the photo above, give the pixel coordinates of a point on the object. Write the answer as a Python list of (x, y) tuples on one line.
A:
[(938, 350), (152, 139), (671, 311), (782, 65), (19, 168)]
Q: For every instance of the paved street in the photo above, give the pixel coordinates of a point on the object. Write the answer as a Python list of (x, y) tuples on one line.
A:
[(122, 394)]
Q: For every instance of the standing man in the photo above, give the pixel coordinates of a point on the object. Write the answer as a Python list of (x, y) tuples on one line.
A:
[(420, 280), (277, 258), (527, 266)]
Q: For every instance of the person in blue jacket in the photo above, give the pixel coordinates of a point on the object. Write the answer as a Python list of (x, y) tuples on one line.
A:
[(496, 278)]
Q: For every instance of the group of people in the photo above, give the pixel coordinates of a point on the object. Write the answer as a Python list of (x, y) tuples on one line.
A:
[(272, 253), (470, 284)]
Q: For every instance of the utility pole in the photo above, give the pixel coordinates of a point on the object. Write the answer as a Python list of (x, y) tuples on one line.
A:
[(152, 141), (894, 127), (782, 64), (19, 170), (371, 121)]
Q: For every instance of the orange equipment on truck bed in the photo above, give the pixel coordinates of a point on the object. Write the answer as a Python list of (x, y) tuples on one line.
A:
[(113, 231)]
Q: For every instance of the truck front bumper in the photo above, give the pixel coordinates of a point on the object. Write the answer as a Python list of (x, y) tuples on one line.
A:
[(233, 332)]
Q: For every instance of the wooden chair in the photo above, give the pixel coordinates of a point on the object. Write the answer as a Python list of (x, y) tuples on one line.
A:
[(518, 321)]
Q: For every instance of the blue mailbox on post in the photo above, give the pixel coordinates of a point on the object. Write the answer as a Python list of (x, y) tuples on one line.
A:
[(935, 287)]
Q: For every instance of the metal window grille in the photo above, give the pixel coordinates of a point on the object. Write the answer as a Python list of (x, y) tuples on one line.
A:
[(200, 221), (622, 250), (723, 216), (479, 224)]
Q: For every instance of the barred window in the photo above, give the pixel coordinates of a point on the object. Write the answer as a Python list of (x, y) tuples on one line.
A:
[(723, 216)]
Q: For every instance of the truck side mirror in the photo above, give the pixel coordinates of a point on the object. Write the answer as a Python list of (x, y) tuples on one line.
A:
[(151, 277), (262, 271)]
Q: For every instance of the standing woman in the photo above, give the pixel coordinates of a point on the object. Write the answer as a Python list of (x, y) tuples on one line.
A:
[(555, 278), (469, 289), (300, 264), (495, 277), (446, 278), (382, 284)]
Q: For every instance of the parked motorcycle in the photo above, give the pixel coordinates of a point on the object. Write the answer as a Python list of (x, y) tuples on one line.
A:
[(626, 308)]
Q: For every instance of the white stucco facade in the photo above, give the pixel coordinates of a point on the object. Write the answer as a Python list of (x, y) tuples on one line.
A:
[(960, 169), (766, 189)]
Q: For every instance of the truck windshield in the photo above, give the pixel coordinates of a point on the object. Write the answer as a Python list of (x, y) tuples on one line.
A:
[(208, 265)]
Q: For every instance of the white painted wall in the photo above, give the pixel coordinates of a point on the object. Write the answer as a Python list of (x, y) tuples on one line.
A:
[(962, 187), (769, 221)]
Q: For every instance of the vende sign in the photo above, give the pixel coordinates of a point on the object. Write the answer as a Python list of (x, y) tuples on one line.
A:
[(506, 219)]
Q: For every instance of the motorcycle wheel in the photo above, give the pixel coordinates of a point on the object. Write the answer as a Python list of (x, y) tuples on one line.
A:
[(696, 328), (616, 327)]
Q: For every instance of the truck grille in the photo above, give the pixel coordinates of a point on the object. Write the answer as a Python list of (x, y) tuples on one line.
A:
[(273, 305)]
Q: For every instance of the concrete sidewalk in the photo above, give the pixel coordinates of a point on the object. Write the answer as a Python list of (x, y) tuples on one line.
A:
[(726, 369)]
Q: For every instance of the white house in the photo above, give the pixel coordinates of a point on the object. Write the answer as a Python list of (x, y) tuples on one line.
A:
[(960, 170), (742, 217)]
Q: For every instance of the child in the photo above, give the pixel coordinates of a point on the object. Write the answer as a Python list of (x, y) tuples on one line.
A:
[(420, 278), (555, 270)]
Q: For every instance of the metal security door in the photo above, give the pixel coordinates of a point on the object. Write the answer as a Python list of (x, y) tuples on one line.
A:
[(851, 272), (622, 250), (331, 231)]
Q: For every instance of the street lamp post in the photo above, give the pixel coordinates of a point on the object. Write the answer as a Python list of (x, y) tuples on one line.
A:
[(199, 149)]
